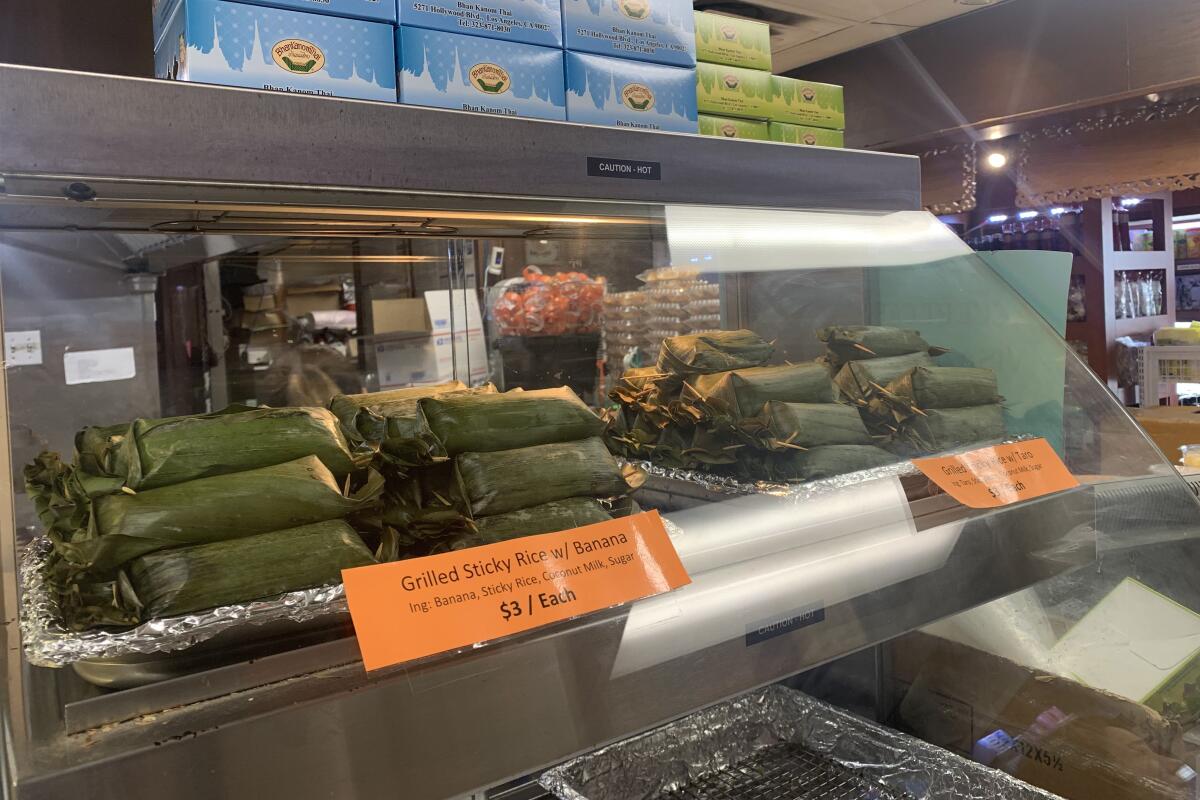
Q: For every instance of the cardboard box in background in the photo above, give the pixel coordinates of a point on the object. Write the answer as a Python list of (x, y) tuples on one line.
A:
[(732, 128), (303, 300), (1055, 733), (1170, 427), (733, 41), (444, 352), (407, 315)]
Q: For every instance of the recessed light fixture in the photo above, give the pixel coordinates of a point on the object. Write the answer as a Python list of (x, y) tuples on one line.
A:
[(998, 218), (996, 159), (1027, 214)]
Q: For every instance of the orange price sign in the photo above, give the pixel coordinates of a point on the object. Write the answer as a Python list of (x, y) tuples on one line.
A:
[(405, 610), (991, 477)]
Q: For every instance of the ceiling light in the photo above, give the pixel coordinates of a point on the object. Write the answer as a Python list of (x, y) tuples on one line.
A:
[(1027, 214), (996, 159), (1154, 97), (998, 218), (1058, 211), (1130, 202)]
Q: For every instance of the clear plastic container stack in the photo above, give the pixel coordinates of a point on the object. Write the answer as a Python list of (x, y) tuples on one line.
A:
[(679, 302)]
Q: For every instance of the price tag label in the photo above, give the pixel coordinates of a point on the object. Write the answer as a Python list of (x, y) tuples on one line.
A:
[(999, 476), (410, 609)]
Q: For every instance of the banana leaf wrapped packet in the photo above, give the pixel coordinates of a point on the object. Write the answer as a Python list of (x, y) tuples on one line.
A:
[(557, 515), (480, 423), (742, 393), (936, 387), (808, 425), (844, 343), (186, 579), (507, 480), (860, 380), (716, 351), (712, 448), (125, 526), (940, 429), (394, 422), (157, 453), (831, 461)]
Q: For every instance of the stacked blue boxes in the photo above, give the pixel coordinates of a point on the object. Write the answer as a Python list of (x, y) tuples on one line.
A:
[(273, 46), (626, 63), (631, 63)]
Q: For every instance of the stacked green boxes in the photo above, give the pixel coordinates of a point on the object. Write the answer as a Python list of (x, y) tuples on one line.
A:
[(734, 85)]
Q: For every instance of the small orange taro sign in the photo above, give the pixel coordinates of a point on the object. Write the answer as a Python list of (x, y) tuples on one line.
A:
[(410, 609), (1001, 475)]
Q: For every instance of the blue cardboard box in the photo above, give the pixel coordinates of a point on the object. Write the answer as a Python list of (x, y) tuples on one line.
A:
[(630, 94), (374, 10), (663, 31), (471, 73), (235, 44), (529, 21)]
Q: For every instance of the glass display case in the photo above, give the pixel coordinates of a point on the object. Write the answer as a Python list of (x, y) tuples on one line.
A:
[(331, 333)]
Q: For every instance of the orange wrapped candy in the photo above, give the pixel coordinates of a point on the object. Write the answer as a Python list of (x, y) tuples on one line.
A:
[(550, 305)]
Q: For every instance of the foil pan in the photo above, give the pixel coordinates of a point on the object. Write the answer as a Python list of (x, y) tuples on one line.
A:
[(48, 643), (717, 738), (807, 490)]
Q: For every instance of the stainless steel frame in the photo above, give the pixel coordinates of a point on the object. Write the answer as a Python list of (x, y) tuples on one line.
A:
[(309, 723)]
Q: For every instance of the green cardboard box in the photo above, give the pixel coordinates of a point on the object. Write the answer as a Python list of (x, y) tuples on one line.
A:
[(730, 128), (801, 102), (804, 134), (725, 91), (733, 41)]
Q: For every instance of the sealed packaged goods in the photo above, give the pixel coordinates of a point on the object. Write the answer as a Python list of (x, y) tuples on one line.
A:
[(743, 392), (529, 21), (733, 41), (471, 73), (508, 480), (232, 43), (800, 102), (717, 351), (151, 453), (733, 91), (557, 515), (647, 30), (541, 304), (630, 94), (186, 579), (124, 526), (805, 134), (490, 422), (730, 128)]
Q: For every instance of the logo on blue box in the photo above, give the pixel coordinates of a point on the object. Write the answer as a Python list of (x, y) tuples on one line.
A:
[(630, 94), (471, 73)]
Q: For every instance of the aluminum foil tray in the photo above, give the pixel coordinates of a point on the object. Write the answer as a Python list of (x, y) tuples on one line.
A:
[(48, 643), (784, 772), (776, 744)]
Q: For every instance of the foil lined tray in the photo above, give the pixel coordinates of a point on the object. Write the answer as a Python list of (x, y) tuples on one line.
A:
[(740, 741), (49, 643), (797, 492)]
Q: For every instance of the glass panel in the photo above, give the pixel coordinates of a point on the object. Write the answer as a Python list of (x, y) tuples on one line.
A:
[(779, 454)]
